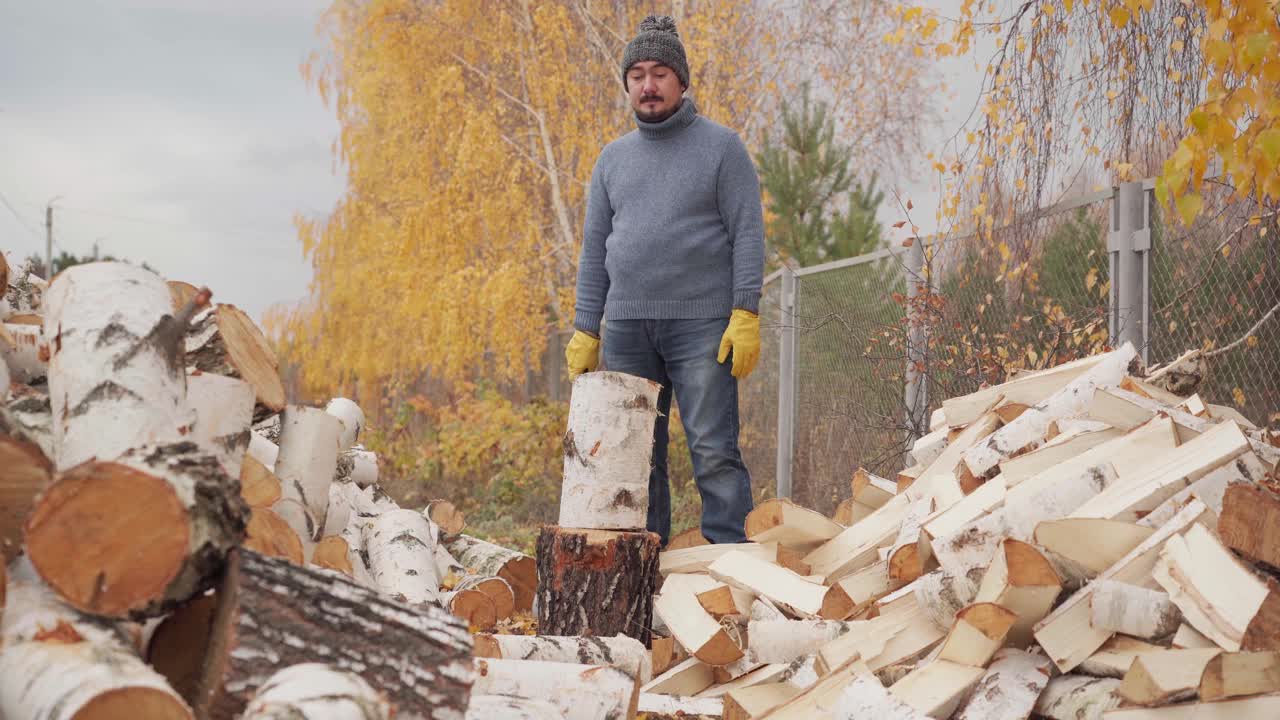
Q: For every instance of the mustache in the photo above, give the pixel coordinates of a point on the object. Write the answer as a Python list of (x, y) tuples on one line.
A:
[(646, 98)]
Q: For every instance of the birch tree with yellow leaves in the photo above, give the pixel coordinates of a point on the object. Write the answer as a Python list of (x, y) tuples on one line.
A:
[(468, 133)]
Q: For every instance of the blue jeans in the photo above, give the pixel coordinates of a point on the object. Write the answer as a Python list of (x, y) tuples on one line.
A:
[(681, 356)]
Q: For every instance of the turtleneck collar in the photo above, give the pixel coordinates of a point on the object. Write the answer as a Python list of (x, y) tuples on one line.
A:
[(672, 126)]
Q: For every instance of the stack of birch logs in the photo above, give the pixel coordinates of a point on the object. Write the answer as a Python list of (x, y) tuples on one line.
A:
[(1087, 541), (181, 543)]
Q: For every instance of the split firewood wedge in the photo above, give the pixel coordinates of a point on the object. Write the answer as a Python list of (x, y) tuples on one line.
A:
[(783, 587)]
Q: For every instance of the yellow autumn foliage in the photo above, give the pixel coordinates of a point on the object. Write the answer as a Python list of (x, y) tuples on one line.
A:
[(468, 133)]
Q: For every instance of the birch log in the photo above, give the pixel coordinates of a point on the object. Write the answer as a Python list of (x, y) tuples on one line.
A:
[(20, 351), (507, 707), (625, 653), (1133, 610), (56, 664), (223, 409), (1078, 697), (27, 472), (357, 465), (149, 530), (581, 692), (607, 450), (498, 590), (1029, 429), (782, 640), (305, 466), (401, 545), (472, 606), (315, 691), (865, 698), (489, 560), (26, 415), (1009, 689), (352, 418), (942, 594), (446, 516), (596, 582), (116, 379), (268, 617), (223, 340)]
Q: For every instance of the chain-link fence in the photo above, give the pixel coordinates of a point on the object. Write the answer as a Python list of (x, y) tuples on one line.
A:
[(1030, 294)]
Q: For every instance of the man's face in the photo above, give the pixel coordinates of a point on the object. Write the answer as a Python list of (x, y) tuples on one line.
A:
[(654, 90)]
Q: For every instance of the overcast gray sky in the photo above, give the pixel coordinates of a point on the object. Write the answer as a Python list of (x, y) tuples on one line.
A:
[(181, 133)]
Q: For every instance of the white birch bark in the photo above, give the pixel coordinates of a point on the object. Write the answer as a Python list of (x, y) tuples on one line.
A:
[(625, 653), (866, 698), (1009, 689), (677, 706), (56, 664), (1029, 429), (116, 375), (400, 547), (1078, 697), (941, 595), (315, 691), (782, 641), (262, 450), (352, 418), (509, 707), (305, 466), (581, 692), (1133, 610), (607, 449), (223, 408), (357, 465)]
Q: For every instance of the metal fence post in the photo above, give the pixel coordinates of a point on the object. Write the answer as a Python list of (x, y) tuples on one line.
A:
[(786, 381), (916, 396), (1128, 246)]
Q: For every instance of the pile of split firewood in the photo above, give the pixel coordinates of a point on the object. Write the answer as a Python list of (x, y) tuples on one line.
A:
[(1088, 541)]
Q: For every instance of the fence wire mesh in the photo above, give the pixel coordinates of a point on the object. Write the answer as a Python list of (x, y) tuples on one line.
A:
[(849, 382), (758, 400), (1211, 283)]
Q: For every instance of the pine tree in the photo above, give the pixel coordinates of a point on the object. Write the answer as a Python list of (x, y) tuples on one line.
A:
[(805, 173)]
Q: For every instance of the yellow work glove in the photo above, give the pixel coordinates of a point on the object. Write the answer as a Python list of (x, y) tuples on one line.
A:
[(582, 355), (743, 337)]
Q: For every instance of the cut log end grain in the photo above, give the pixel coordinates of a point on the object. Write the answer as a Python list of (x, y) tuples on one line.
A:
[(489, 560), (497, 590), (687, 539), (333, 553), (136, 703), (258, 485), (27, 472), (226, 341), (472, 606), (128, 530), (446, 516), (178, 645), (182, 293), (268, 534)]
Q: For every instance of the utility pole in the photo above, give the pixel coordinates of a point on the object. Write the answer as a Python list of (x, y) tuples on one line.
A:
[(48, 238)]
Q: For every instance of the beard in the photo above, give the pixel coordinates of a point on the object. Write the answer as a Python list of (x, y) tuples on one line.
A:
[(657, 115)]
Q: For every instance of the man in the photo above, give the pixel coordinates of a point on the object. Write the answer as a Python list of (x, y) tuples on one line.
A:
[(673, 257)]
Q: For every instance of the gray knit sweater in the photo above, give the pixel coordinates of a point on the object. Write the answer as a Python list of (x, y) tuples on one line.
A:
[(673, 227)]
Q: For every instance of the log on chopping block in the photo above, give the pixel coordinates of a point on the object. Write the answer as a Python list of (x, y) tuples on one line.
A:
[(223, 340), (57, 664), (401, 549), (316, 691), (308, 456), (614, 574), (581, 692), (116, 379), (149, 530), (489, 560), (272, 613), (625, 653), (223, 407), (607, 449), (27, 472)]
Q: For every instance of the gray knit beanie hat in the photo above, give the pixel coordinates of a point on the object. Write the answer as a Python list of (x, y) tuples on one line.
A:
[(657, 40)]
